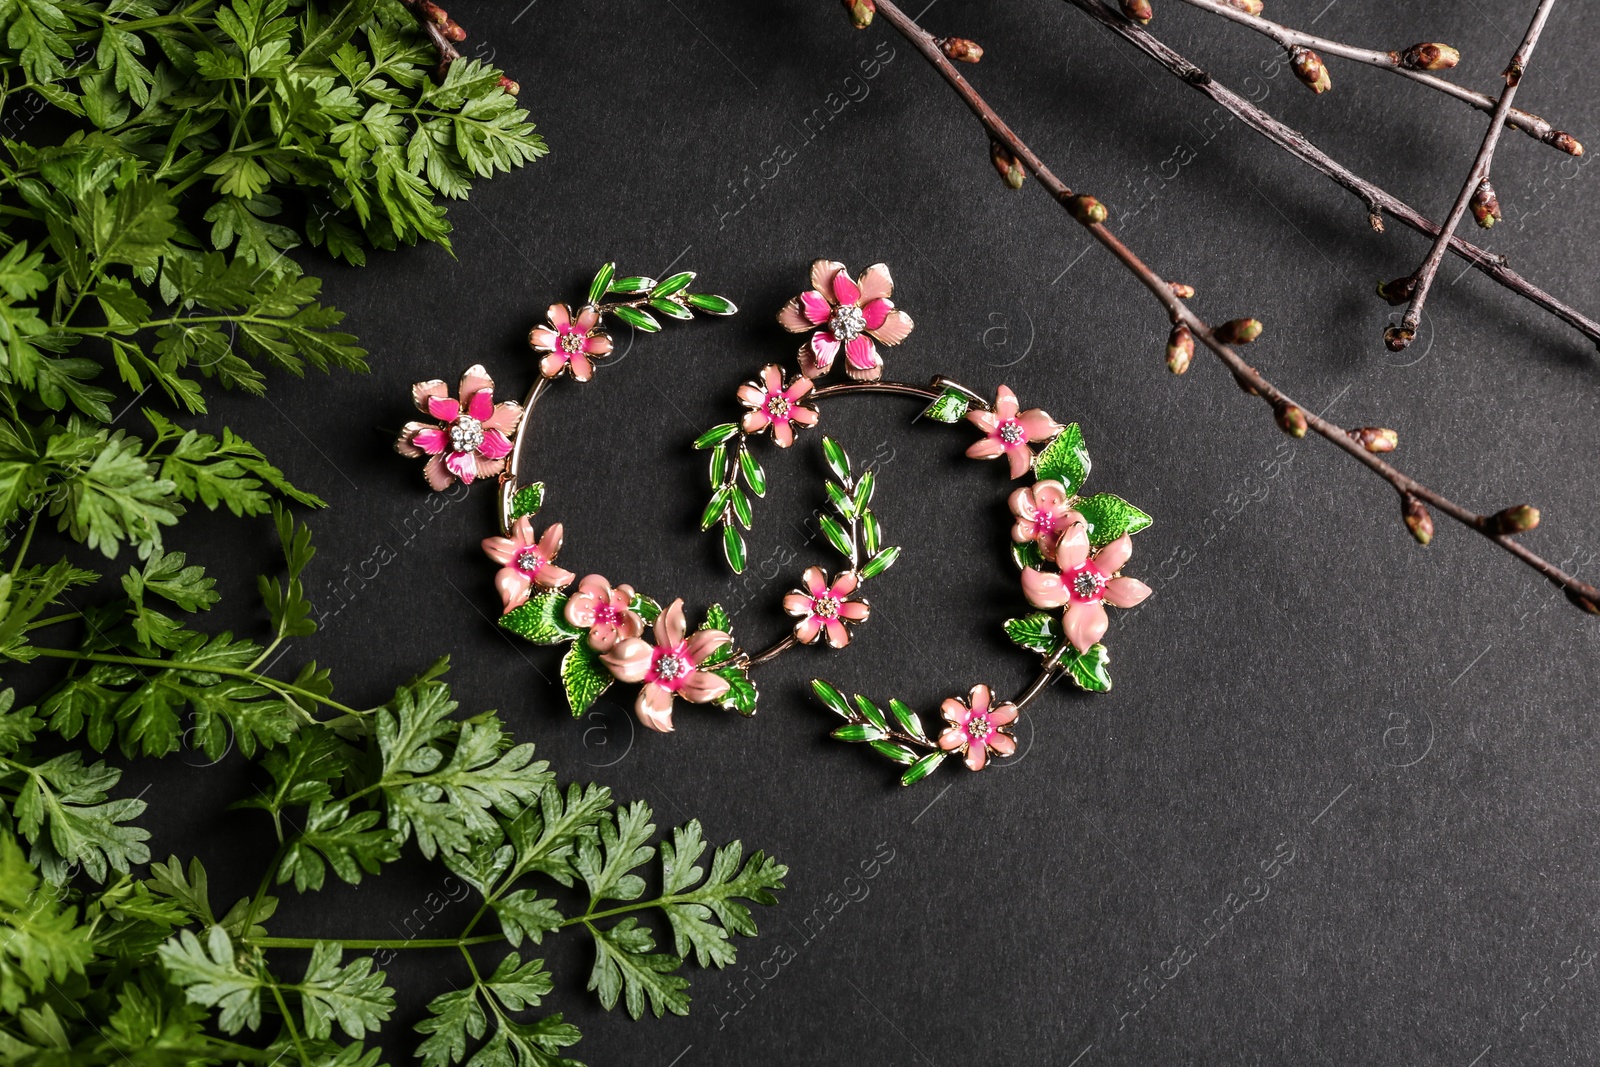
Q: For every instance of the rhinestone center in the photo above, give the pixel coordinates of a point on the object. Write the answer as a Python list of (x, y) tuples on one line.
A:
[(778, 407), (572, 342), (825, 607), (466, 434), (978, 727), (847, 323), (529, 561), (1087, 582), (671, 667), (1011, 433)]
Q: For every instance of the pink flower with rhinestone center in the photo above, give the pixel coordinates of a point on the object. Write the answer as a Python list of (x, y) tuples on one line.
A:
[(526, 562), (825, 609), (776, 406), (842, 314), (669, 667), (977, 728), (1008, 433), (472, 437), (1085, 585)]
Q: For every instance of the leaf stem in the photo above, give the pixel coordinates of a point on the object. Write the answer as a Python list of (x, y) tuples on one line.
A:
[(27, 539)]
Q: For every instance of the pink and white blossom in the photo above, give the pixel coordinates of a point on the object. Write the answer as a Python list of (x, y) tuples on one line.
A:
[(605, 612), (978, 727), (846, 315), (1044, 515), (473, 436), (825, 608), (776, 406), (572, 342), (526, 562), (1085, 585), (669, 667), (1008, 433)]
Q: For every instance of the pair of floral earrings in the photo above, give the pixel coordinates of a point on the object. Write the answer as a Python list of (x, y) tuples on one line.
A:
[(1069, 547)]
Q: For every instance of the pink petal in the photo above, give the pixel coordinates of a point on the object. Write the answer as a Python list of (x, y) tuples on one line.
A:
[(1049, 494), (1086, 624), (750, 396), (814, 308), (463, 465), (552, 577), (1038, 424), (845, 290), (875, 311), (654, 708), (422, 392), (1021, 460), (489, 468), (630, 660), (495, 445), (543, 338), (793, 319), (754, 421), (955, 713), (1023, 531), (782, 434), (797, 389), (513, 587), (807, 629), (816, 582), (1022, 504), (822, 272), (443, 408), (1005, 403), (603, 638), (824, 346), (1044, 589), (431, 439), (985, 448), (838, 636), (897, 326), (797, 604), (559, 315), (587, 319), (582, 369), (1113, 557), (598, 345), (854, 610), (1073, 547), (876, 283), (983, 420), (522, 530), (704, 642), (861, 353), (437, 474), (551, 365), (772, 377), (979, 698), (473, 381), (579, 610), (702, 687), (808, 361), (505, 418), (952, 739), (550, 540), (500, 549), (671, 627), (1126, 592), (1004, 715), (1003, 744), (803, 416), (844, 584), (977, 756)]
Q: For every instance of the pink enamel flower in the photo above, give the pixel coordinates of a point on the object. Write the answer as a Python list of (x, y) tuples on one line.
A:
[(525, 563), (605, 612), (573, 343), (1007, 433), (1043, 515), (772, 405), (1085, 585), (978, 730), (473, 437), (825, 609), (846, 315), (668, 668)]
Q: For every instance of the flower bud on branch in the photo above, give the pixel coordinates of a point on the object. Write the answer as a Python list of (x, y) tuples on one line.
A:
[(1180, 349), (1139, 11), (1485, 205), (1238, 331), (1431, 56), (1291, 420), (1418, 521), (1519, 519), (861, 12), (1375, 438), (1398, 290), (1398, 338), (1308, 67), (509, 86), (1582, 602), (960, 49), (1249, 7), (1008, 165), (1566, 142), (1182, 291), (1087, 210)]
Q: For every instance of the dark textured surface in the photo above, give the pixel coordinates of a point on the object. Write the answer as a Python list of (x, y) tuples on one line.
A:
[(1408, 732)]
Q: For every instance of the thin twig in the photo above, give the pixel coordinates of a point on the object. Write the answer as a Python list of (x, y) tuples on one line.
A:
[(1290, 39), (1580, 593), (1375, 199), (1398, 337)]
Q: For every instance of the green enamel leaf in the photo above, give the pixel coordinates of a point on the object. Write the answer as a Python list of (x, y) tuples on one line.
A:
[(909, 720), (719, 465), (895, 751), (859, 731), (832, 698), (835, 534), (715, 508), (1065, 459), (647, 609), (629, 286), (584, 677), (671, 308), (639, 320), (873, 713), (880, 562), (717, 618), (602, 282), (711, 304), (922, 768), (741, 506), (733, 548), (754, 476), (871, 532), (1110, 517), (863, 494), (1089, 669), (716, 435), (742, 694), (838, 459), (1027, 554), (950, 407), (540, 620), (839, 499), (527, 500), (1038, 632), (676, 283)]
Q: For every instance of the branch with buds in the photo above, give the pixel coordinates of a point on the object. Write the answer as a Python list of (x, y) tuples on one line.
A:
[(1363, 444), (445, 33), (1416, 62)]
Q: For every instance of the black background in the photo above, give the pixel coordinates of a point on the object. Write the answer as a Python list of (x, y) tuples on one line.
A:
[(1412, 726)]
